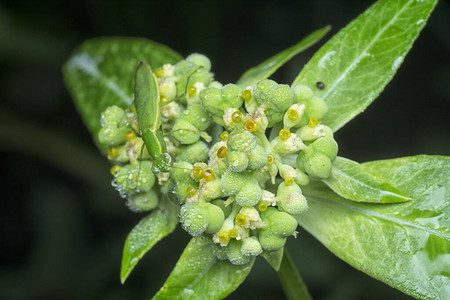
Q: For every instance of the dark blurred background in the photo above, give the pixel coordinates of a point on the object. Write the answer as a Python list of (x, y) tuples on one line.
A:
[(62, 224)]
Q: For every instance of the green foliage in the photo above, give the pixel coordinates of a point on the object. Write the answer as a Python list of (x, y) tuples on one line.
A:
[(146, 234), (359, 61), (405, 245), (100, 73), (200, 275), (388, 218)]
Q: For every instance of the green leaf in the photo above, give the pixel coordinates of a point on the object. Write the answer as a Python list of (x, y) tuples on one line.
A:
[(268, 67), (100, 73), (150, 230), (406, 245), (350, 180), (359, 61), (274, 258), (292, 282), (200, 275)]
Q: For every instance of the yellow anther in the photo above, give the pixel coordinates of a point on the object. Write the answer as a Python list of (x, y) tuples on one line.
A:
[(191, 91), (292, 114), (236, 116), (233, 233), (222, 152), (313, 122), (288, 180), (262, 206), (115, 169), (240, 220), (223, 236), (250, 125), (129, 135), (270, 159), (190, 191), (246, 95), (159, 72), (285, 134), (133, 109), (112, 152), (224, 136), (208, 175), (198, 172)]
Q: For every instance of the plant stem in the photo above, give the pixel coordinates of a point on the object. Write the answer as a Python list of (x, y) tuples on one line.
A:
[(291, 281)]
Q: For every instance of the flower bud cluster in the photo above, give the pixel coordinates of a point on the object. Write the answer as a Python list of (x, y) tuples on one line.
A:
[(240, 156)]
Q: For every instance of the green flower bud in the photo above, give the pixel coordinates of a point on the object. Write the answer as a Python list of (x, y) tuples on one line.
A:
[(292, 144), (197, 218), (326, 145), (283, 224), (184, 132), (231, 96), (270, 241), (302, 92), (276, 98), (113, 115), (199, 60), (250, 194), (241, 140), (316, 164), (251, 246), (216, 218), (318, 108), (245, 187), (210, 99), (234, 254), (308, 134), (237, 161), (301, 178), (197, 116), (232, 182), (196, 152), (257, 158), (135, 178), (112, 135), (143, 202), (216, 85), (181, 171), (291, 199), (317, 160)]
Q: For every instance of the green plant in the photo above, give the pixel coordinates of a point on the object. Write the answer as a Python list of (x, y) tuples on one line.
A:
[(387, 218)]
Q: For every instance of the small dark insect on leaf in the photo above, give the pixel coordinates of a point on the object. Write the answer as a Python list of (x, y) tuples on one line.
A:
[(320, 85)]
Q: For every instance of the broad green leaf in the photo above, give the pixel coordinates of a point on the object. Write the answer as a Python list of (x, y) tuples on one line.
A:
[(274, 258), (268, 67), (350, 180), (359, 61), (150, 230), (406, 245), (200, 275), (100, 73)]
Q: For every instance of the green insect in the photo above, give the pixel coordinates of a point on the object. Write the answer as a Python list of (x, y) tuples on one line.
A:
[(146, 101)]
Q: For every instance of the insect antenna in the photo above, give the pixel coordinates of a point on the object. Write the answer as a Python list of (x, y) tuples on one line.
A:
[(125, 120), (185, 88)]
